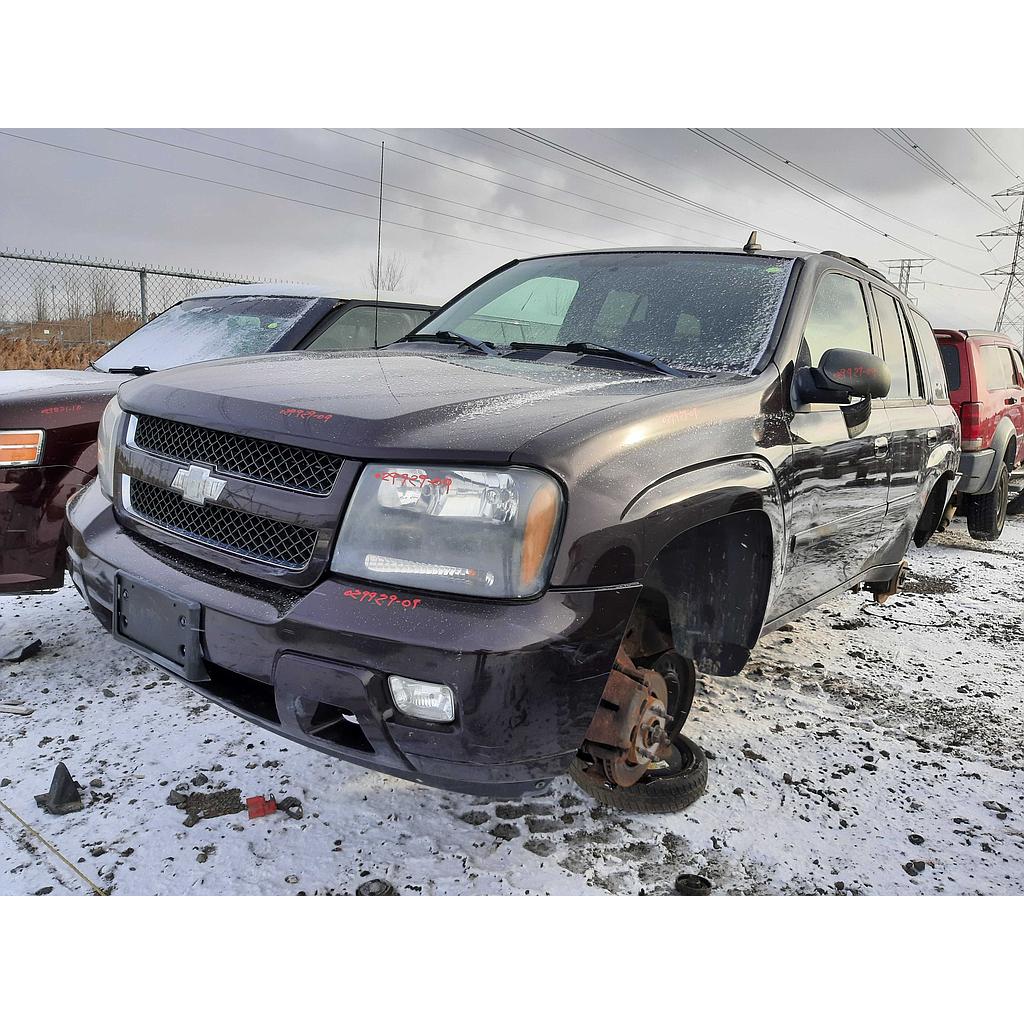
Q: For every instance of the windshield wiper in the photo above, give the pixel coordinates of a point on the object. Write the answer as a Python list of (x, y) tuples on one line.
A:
[(595, 348), (450, 337), (138, 371)]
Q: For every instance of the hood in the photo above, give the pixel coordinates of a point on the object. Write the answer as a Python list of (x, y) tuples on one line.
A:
[(53, 398), (28, 383), (393, 402)]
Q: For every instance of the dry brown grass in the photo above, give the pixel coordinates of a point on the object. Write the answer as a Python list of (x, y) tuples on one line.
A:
[(19, 354)]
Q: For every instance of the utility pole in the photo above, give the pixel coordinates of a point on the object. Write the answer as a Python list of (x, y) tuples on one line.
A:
[(1011, 310), (906, 268)]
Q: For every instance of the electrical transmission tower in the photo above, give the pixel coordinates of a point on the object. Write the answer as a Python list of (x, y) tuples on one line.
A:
[(1011, 310), (906, 268)]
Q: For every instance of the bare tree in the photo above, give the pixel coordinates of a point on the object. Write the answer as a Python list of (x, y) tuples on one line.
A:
[(102, 292), (393, 269), (71, 286), (40, 300)]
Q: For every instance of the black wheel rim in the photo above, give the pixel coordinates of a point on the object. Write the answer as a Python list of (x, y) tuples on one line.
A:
[(680, 760)]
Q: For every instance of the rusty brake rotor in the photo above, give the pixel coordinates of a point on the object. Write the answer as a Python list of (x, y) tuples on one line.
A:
[(630, 729)]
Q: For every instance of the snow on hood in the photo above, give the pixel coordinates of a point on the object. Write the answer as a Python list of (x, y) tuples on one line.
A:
[(372, 403)]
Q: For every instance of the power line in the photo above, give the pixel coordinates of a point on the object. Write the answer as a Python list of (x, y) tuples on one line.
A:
[(991, 152), (849, 195), (256, 191), (958, 287), (795, 186), (579, 171), (400, 188), (908, 147), (341, 188), (513, 188), (657, 188)]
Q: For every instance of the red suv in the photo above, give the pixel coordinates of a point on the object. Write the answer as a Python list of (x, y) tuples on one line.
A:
[(985, 374)]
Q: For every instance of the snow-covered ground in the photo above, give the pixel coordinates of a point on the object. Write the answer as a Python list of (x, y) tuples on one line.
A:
[(865, 749)]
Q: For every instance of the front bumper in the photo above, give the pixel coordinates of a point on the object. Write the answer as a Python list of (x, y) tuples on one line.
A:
[(312, 665)]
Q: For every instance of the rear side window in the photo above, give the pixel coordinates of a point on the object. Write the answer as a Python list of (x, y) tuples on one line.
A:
[(838, 318), (900, 355), (951, 365), (936, 374), (997, 367)]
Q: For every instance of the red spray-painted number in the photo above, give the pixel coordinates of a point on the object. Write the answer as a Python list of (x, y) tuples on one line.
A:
[(382, 600)]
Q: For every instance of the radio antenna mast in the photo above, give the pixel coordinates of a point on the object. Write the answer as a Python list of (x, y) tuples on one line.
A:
[(380, 221)]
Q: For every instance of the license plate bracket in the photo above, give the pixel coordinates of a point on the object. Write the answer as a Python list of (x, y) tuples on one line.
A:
[(165, 628)]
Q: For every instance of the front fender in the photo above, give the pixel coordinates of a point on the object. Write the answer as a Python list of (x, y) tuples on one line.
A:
[(690, 498)]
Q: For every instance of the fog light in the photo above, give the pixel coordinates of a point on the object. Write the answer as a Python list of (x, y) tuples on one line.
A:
[(433, 702)]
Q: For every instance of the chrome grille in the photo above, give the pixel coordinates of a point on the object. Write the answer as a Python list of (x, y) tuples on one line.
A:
[(282, 464), (242, 533)]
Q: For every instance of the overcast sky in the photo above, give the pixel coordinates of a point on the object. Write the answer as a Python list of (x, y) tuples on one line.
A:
[(460, 202)]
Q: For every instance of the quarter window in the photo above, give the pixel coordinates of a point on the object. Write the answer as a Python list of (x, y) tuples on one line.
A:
[(997, 367), (936, 373), (838, 318)]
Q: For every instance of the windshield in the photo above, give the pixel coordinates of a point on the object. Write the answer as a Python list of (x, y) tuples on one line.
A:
[(200, 329), (701, 311)]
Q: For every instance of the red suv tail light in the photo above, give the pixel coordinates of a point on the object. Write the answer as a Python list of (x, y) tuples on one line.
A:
[(970, 422)]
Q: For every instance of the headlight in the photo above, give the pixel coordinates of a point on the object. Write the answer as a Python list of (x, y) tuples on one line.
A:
[(106, 443), (481, 531), (20, 447)]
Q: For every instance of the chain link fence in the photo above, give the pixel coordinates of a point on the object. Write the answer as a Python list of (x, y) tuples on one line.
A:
[(51, 299)]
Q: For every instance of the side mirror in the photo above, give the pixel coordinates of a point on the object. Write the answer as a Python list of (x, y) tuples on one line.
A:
[(843, 374)]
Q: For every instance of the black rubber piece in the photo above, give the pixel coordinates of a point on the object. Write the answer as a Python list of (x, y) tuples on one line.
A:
[(660, 791), (1015, 506), (64, 795), (376, 887), (693, 885), (986, 513)]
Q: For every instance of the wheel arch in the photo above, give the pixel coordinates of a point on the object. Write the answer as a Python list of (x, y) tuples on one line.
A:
[(715, 548), (1004, 441)]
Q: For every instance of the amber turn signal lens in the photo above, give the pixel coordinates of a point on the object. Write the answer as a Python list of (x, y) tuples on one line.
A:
[(20, 447), (541, 518)]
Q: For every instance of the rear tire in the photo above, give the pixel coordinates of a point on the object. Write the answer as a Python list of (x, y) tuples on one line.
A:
[(660, 790), (986, 513)]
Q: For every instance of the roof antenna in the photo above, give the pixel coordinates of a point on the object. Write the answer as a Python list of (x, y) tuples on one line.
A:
[(380, 219), (752, 243)]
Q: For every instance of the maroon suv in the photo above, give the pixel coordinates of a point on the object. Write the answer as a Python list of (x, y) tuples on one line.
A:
[(49, 418), (985, 374)]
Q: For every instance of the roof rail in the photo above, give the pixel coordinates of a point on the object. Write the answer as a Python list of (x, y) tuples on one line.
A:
[(860, 264)]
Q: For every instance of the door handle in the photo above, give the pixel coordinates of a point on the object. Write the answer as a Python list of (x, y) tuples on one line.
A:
[(881, 446)]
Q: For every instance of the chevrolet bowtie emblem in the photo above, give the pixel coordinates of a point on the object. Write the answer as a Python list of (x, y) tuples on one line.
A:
[(197, 485)]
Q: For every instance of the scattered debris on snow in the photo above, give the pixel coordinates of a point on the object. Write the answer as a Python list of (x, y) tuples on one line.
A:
[(20, 651), (864, 750)]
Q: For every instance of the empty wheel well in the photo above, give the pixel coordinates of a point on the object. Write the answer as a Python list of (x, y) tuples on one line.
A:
[(710, 585)]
